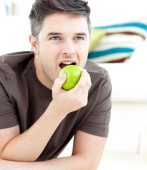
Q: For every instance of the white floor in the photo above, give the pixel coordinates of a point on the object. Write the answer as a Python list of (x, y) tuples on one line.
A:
[(123, 161), (126, 148), (115, 160)]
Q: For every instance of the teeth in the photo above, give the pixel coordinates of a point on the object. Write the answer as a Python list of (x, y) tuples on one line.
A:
[(68, 62)]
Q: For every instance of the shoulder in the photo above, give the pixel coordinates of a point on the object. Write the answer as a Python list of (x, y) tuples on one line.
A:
[(96, 72), (11, 61)]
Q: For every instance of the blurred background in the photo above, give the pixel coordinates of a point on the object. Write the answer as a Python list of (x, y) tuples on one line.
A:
[(119, 30)]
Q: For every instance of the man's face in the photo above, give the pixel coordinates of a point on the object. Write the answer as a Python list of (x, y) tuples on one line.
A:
[(64, 39)]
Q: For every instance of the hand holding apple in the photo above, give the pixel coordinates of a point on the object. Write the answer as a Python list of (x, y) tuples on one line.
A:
[(65, 102)]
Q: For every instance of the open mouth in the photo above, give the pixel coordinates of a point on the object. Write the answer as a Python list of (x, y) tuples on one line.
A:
[(63, 64)]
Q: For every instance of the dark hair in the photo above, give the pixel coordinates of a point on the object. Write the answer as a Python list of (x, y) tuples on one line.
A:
[(42, 8)]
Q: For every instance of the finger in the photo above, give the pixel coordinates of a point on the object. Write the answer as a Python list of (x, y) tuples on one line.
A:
[(57, 86), (89, 83), (83, 79)]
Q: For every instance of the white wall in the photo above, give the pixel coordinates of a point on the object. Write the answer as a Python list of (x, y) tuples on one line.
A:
[(108, 11)]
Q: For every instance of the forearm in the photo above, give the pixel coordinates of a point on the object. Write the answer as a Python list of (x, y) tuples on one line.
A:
[(29, 145), (11, 165), (66, 163), (76, 162)]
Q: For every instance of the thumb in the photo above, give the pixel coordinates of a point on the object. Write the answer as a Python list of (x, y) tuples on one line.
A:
[(63, 77), (59, 82)]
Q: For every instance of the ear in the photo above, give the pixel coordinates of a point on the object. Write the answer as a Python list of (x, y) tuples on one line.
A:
[(33, 43)]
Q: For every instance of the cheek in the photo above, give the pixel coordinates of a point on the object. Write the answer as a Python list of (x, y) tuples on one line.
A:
[(85, 47), (84, 51), (83, 59), (49, 70), (49, 64), (84, 55)]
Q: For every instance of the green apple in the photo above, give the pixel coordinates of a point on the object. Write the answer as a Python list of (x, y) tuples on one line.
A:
[(73, 75)]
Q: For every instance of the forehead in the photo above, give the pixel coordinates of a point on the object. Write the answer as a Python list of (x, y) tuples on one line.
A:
[(64, 22)]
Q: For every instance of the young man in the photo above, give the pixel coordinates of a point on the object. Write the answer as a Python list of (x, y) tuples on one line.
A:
[(37, 117)]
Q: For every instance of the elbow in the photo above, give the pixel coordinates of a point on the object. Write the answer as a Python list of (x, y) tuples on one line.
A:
[(1, 154), (16, 158), (88, 163), (92, 165), (4, 157)]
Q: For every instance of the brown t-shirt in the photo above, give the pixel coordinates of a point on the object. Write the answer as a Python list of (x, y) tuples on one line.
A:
[(23, 99)]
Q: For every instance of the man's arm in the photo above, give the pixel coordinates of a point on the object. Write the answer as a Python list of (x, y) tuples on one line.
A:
[(26, 146), (89, 146), (87, 151), (86, 155)]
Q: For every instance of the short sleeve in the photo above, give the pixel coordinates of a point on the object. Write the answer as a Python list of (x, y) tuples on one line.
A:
[(8, 117), (97, 122)]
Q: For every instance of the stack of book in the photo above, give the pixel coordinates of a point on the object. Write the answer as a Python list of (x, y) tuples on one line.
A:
[(11, 7)]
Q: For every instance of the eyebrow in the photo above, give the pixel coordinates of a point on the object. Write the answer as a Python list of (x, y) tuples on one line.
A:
[(58, 33), (54, 33), (82, 34)]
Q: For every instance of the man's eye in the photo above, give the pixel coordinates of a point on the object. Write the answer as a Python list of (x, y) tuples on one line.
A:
[(79, 38), (54, 38)]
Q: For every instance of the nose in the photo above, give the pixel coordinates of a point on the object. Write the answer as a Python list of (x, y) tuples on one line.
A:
[(68, 48)]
